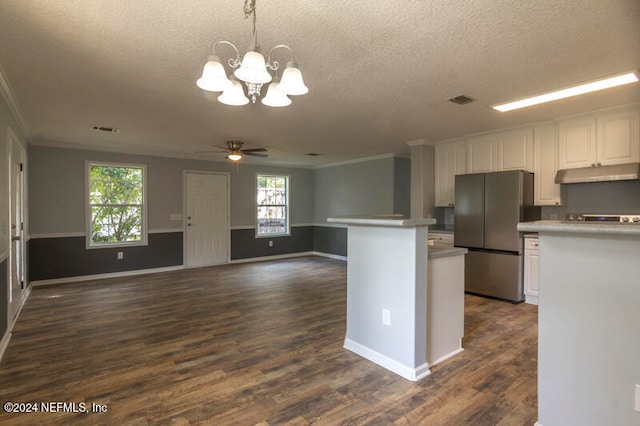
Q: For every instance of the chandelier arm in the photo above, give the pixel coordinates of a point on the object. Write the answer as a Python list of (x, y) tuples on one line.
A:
[(274, 65), (233, 62)]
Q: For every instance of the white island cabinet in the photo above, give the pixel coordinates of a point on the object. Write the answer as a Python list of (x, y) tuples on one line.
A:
[(401, 312), (588, 322)]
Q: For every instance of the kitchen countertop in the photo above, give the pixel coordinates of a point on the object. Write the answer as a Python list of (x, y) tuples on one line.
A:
[(392, 221), (567, 227), (440, 250), (443, 229)]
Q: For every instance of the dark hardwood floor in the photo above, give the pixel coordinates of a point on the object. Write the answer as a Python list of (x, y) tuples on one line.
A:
[(245, 344)]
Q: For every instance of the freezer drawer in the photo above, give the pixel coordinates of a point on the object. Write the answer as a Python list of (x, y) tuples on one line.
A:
[(494, 274)]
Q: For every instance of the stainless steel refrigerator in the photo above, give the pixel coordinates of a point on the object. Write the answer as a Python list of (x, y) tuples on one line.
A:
[(487, 208)]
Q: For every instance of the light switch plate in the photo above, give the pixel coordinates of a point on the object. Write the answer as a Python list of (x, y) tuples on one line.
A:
[(637, 407)]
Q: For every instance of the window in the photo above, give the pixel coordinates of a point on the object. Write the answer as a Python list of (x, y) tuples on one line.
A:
[(272, 205), (116, 204)]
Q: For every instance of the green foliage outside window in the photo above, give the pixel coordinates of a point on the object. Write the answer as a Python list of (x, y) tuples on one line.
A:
[(116, 203)]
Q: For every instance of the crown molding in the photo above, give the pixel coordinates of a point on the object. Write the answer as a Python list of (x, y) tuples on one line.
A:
[(12, 103), (356, 160)]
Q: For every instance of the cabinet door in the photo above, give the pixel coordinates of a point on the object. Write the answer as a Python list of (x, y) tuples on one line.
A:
[(443, 180), (545, 165), (450, 161), (577, 143), (515, 150), (618, 139), (531, 267), (481, 154)]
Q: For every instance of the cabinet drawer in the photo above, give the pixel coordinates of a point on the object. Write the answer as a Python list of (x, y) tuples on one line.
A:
[(531, 244)]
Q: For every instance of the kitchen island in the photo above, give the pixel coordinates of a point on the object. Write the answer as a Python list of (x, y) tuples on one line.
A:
[(589, 322), (397, 316)]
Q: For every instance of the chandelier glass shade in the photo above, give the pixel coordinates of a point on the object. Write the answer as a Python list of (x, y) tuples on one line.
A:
[(254, 71)]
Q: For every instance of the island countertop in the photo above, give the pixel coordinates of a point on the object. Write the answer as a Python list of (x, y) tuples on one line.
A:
[(439, 250), (570, 227), (390, 221)]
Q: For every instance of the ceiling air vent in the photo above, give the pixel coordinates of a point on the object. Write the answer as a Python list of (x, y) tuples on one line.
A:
[(461, 99), (105, 129), (312, 154)]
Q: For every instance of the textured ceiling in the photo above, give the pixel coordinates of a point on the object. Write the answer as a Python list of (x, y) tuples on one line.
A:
[(379, 72)]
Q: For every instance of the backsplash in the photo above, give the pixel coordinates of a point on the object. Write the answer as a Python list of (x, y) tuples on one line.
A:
[(596, 198)]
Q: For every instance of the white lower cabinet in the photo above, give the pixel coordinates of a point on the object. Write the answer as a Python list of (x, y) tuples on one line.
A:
[(531, 267)]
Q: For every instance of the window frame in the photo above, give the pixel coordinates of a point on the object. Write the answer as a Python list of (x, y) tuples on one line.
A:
[(144, 240), (286, 205)]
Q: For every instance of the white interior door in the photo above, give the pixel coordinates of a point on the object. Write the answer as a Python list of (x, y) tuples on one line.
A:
[(17, 291), (206, 219)]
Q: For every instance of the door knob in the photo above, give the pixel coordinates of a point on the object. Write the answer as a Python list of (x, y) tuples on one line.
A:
[(15, 238)]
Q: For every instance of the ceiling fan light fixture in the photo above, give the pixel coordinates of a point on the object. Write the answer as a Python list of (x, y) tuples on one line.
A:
[(214, 77), (234, 95), (276, 97), (234, 156), (291, 82), (593, 86)]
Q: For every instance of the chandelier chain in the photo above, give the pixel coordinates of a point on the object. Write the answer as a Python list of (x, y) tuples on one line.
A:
[(250, 10)]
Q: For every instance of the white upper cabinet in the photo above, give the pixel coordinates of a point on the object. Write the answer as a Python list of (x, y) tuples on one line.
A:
[(450, 161), (545, 165), (515, 150), (601, 139), (496, 152), (482, 154), (618, 141)]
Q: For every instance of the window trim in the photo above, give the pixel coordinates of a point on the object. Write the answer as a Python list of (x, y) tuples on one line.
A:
[(287, 205), (144, 240)]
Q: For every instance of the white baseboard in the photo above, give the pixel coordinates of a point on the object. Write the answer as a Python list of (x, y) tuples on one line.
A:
[(289, 256), (4, 342), (537, 424), (409, 373), (274, 257), (530, 299), (446, 357), (329, 255), (103, 276)]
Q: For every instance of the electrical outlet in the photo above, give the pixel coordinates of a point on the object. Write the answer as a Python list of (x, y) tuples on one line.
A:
[(120, 255), (637, 407), (270, 243), (386, 317)]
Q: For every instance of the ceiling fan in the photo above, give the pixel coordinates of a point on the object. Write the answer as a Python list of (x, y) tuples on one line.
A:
[(235, 151)]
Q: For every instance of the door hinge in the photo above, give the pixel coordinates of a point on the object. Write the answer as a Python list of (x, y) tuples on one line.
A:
[(22, 285), (21, 167), (22, 226)]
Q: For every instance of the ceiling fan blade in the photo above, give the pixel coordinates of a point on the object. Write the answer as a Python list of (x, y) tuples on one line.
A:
[(208, 152), (254, 150), (255, 154), (226, 148)]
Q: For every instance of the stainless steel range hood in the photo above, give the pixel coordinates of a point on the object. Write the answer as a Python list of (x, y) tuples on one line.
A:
[(599, 173)]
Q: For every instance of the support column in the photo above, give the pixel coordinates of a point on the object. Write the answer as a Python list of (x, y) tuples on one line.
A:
[(422, 179)]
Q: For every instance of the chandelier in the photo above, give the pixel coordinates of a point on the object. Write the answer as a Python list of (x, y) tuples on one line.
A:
[(252, 70)]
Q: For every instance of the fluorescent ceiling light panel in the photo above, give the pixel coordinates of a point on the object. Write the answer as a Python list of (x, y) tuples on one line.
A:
[(619, 80)]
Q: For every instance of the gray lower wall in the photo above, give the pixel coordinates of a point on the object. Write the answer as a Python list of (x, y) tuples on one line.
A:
[(65, 257), (4, 299), (330, 240), (245, 245)]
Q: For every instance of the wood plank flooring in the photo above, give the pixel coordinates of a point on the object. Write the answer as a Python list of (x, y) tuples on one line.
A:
[(246, 344)]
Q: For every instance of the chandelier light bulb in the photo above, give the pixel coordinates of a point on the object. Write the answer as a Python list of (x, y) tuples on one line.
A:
[(253, 69), (291, 82), (214, 77), (234, 156), (275, 97), (234, 95)]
